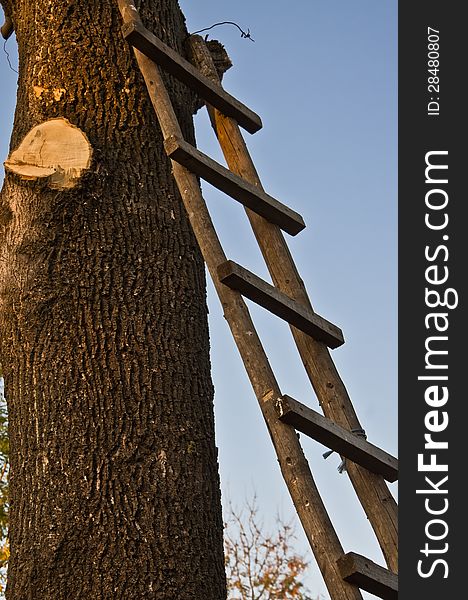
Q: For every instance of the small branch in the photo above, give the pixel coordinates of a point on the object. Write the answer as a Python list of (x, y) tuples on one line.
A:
[(4, 469), (7, 28)]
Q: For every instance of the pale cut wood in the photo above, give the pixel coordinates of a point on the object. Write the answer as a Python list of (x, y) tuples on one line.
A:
[(371, 489), (293, 464), (152, 47), (55, 150), (256, 289), (368, 576), (242, 191), (331, 435)]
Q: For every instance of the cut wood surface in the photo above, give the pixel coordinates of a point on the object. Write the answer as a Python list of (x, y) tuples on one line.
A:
[(331, 435), (56, 150), (152, 47), (369, 576), (233, 185), (266, 295)]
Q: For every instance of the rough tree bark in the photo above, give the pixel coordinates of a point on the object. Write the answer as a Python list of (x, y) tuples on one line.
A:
[(103, 330)]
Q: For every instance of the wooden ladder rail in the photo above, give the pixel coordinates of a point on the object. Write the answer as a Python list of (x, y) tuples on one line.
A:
[(294, 466), (371, 489)]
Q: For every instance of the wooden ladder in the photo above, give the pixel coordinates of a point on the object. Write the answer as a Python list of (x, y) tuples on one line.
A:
[(340, 430)]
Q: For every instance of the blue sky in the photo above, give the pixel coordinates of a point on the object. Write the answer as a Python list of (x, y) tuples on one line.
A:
[(322, 75)]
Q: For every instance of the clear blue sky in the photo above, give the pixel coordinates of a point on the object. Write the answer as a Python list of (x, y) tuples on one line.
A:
[(322, 74)]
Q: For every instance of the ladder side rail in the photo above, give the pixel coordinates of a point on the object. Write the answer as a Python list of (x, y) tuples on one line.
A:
[(371, 489), (294, 466)]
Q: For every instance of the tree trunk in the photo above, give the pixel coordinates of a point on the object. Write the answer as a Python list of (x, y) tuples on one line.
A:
[(103, 331)]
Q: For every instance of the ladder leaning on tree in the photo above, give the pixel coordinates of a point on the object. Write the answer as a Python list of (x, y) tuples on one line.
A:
[(340, 430)]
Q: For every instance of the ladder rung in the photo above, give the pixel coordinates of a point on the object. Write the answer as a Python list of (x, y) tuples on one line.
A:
[(152, 47), (266, 295), (331, 435), (233, 185), (369, 576)]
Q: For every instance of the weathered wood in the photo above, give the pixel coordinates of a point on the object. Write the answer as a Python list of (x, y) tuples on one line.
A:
[(371, 489), (152, 47), (368, 576), (293, 464), (328, 433), (233, 185), (256, 289)]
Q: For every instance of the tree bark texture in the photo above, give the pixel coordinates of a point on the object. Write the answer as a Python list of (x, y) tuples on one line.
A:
[(103, 331)]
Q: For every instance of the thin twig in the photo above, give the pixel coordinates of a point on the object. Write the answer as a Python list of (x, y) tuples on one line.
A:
[(8, 57), (244, 34)]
